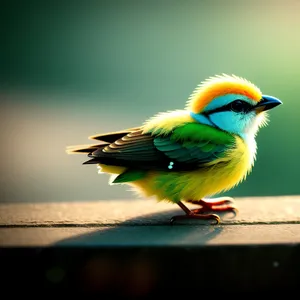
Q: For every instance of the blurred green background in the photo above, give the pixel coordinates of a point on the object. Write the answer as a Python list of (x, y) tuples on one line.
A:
[(72, 69)]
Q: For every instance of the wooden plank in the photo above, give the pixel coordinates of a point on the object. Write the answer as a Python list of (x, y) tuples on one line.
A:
[(255, 210), (128, 248), (152, 236)]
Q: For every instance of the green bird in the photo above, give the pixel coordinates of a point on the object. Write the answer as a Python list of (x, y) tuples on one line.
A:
[(190, 154)]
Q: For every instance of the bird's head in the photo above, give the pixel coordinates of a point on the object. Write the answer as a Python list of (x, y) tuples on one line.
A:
[(230, 103)]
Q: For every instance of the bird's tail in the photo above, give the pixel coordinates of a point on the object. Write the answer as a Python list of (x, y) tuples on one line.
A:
[(105, 139), (112, 136), (84, 149)]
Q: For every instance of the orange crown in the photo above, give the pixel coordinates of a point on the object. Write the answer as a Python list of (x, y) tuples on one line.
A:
[(221, 85)]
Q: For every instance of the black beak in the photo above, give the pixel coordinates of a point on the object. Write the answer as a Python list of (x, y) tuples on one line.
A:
[(266, 103)]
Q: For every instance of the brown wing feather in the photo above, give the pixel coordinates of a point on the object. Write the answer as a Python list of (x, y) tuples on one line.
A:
[(112, 136), (128, 146), (84, 148), (143, 151), (137, 150), (106, 138), (131, 149)]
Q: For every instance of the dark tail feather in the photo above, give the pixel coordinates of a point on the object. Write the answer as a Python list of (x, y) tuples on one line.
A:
[(106, 139), (91, 161), (112, 136), (84, 148)]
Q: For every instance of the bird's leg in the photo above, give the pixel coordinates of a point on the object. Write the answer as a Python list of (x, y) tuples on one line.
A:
[(223, 204), (194, 215)]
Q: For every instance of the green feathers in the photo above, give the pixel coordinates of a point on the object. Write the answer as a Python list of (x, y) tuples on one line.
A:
[(201, 133), (187, 147), (130, 175), (194, 143)]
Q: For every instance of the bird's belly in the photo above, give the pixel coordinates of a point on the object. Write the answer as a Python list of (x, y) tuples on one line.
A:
[(210, 182)]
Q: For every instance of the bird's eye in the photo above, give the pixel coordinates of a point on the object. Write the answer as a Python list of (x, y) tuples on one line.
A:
[(240, 106)]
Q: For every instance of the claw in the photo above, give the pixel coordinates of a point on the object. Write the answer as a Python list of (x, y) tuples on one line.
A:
[(193, 215), (225, 208), (222, 204)]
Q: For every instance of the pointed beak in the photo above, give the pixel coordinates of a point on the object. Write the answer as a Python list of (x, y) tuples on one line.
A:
[(266, 103)]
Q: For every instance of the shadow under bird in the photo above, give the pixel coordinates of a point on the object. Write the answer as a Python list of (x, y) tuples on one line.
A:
[(190, 154)]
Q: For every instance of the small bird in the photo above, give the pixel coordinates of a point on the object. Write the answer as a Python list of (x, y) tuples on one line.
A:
[(190, 154)]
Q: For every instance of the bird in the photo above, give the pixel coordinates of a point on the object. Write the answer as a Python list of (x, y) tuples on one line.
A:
[(191, 154)]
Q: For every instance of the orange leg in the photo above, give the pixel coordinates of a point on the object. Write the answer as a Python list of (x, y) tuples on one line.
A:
[(192, 214), (223, 204)]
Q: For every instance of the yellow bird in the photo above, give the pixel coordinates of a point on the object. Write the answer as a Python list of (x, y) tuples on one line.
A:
[(190, 154)]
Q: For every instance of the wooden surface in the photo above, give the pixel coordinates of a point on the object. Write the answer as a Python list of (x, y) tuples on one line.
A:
[(134, 222), (128, 248)]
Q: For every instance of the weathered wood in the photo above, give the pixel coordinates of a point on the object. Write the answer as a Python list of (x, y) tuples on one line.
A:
[(267, 210), (128, 248)]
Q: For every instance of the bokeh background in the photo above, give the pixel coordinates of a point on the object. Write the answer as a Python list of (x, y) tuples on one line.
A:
[(72, 69)]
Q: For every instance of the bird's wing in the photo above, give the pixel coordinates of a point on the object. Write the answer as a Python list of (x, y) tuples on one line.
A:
[(187, 147), (113, 136), (104, 139)]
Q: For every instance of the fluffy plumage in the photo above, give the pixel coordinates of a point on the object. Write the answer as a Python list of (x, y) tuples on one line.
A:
[(186, 155), (220, 85)]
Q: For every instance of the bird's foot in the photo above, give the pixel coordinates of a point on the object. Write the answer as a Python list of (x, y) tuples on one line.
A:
[(222, 204), (194, 215)]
